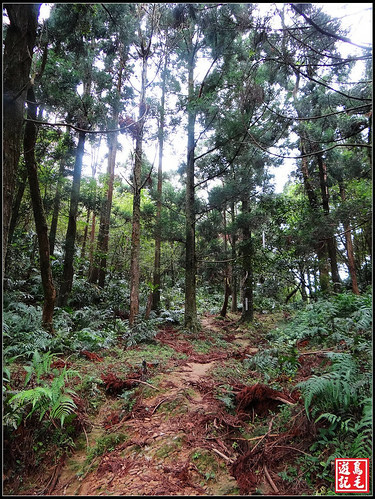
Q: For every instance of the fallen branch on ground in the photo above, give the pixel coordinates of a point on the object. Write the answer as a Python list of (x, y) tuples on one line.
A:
[(272, 483)]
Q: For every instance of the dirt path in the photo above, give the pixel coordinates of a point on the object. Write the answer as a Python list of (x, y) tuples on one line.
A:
[(169, 445), (183, 415)]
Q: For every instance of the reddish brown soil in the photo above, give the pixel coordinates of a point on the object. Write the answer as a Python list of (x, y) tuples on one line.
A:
[(180, 439)]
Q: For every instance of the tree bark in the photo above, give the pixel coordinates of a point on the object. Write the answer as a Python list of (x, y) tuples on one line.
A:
[(248, 279), (15, 211), (105, 217), (137, 188), (349, 246), (18, 49), (331, 242), (157, 277), (56, 208), (67, 278), (191, 322), (39, 214), (320, 246)]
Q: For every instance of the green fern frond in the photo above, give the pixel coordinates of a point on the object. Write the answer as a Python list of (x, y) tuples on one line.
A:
[(362, 444), (62, 408)]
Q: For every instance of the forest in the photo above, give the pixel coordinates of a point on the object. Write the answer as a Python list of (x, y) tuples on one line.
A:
[(174, 321)]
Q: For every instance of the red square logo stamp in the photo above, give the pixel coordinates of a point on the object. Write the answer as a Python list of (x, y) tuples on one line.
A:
[(352, 475)]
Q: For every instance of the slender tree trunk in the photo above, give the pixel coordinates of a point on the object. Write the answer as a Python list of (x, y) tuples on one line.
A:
[(302, 281), (349, 246), (227, 293), (227, 290), (191, 322), (103, 237), (67, 278), (39, 214), (18, 49), (15, 212), (331, 242), (137, 188), (56, 208), (157, 278), (92, 244), (248, 279), (84, 242), (320, 246), (233, 274), (105, 215)]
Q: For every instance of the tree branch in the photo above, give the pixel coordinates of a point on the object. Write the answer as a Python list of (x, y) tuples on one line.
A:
[(323, 31)]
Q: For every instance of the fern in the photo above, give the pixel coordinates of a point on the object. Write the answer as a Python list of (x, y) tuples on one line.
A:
[(143, 331), (39, 365), (361, 445), (334, 391), (55, 400)]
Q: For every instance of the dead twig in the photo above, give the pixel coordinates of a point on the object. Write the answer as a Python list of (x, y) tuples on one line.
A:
[(255, 438), (272, 483), (143, 383), (55, 476), (293, 448), (159, 404), (223, 455), (284, 401), (317, 352), (264, 436)]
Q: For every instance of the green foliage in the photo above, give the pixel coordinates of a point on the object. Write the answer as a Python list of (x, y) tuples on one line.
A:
[(271, 362), (341, 397), (327, 322), (225, 394), (104, 444), (23, 333), (53, 399), (143, 331), (337, 390), (39, 365)]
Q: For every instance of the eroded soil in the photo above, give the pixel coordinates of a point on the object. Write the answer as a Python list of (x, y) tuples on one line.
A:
[(187, 431)]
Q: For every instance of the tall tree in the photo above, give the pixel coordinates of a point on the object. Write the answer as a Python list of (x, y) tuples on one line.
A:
[(161, 133), (144, 52), (30, 137), (75, 30), (115, 50), (18, 49)]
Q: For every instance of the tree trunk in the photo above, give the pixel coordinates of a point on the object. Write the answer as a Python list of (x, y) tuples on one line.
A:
[(320, 246), (105, 217), (56, 208), (137, 188), (248, 280), (84, 242), (92, 244), (331, 242), (191, 322), (67, 279), (349, 246), (227, 294), (233, 273), (157, 278), (39, 215), (15, 212), (227, 290), (18, 49)]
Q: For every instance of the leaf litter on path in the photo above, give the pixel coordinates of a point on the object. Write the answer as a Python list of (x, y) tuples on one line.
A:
[(180, 438)]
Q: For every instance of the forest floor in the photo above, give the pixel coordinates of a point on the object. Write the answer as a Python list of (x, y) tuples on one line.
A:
[(193, 421)]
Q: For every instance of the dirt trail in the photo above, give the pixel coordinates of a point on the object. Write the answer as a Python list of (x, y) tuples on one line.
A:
[(167, 449), (174, 440)]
